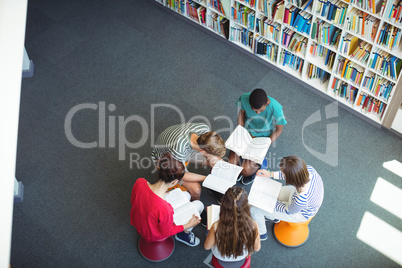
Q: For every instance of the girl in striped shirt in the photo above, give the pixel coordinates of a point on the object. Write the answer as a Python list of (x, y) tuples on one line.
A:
[(299, 200)]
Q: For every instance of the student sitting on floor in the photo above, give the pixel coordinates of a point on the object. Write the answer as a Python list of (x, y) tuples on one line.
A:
[(151, 215), (235, 235), (262, 116), (186, 142), (299, 200)]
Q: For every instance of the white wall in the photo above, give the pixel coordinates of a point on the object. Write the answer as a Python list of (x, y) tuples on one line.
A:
[(397, 124), (12, 34)]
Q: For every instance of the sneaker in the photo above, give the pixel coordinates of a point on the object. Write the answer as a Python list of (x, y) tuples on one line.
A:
[(204, 218), (188, 238), (274, 220), (248, 180), (264, 237), (239, 177)]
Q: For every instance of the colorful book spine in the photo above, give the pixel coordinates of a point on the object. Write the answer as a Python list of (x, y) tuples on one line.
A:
[(266, 48), (343, 90), (314, 72), (370, 105), (292, 61)]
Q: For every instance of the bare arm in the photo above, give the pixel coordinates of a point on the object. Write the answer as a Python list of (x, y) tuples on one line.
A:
[(276, 133), (194, 143), (210, 241), (270, 174), (193, 177), (257, 242), (240, 117)]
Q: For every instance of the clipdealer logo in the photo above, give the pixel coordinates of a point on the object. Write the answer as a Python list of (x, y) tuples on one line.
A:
[(110, 124), (330, 156)]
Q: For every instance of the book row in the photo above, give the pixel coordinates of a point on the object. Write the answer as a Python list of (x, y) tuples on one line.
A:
[(362, 24), (265, 48), (344, 90), (315, 72), (369, 104), (379, 86), (349, 70), (292, 61), (297, 18), (317, 50), (391, 11), (332, 10)]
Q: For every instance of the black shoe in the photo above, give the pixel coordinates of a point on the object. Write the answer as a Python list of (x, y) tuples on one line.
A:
[(239, 177), (218, 196), (248, 180), (204, 218)]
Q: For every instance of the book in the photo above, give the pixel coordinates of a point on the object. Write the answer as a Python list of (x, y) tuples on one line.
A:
[(241, 142), (183, 208), (212, 215), (264, 193), (223, 176)]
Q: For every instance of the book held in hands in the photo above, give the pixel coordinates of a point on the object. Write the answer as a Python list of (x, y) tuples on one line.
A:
[(212, 215), (264, 193), (244, 145), (183, 208), (223, 176)]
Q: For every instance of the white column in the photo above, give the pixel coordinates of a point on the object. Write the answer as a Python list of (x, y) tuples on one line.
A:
[(397, 124), (12, 34)]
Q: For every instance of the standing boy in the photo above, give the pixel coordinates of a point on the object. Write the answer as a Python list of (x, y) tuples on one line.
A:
[(262, 116)]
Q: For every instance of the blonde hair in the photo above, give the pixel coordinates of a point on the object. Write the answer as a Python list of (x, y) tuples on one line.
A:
[(212, 143)]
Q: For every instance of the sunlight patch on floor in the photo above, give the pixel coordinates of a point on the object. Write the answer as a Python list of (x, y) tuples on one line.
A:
[(388, 196), (394, 166), (381, 236)]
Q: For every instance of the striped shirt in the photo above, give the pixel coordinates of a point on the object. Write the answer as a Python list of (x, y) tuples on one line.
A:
[(308, 202), (176, 140)]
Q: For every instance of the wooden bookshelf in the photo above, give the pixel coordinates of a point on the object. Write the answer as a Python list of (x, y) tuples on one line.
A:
[(364, 39)]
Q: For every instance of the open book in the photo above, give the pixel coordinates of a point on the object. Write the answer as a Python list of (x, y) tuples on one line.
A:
[(223, 176), (212, 215), (241, 142), (183, 208), (264, 193)]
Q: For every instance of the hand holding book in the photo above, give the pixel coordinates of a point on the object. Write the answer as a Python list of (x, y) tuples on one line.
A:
[(264, 193), (222, 177), (194, 221), (244, 145), (212, 215), (265, 173), (184, 210)]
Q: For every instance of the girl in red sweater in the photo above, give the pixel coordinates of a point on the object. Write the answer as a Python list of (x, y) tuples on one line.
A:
[(151, 215)]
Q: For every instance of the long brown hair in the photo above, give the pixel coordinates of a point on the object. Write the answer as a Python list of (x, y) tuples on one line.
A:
[(236, 230), (295, 171)]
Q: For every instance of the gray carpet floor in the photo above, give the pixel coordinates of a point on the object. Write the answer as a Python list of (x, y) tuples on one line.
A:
[(156, 69)]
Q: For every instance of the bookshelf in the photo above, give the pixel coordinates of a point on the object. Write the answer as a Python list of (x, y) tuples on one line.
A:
[(350, 50)]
